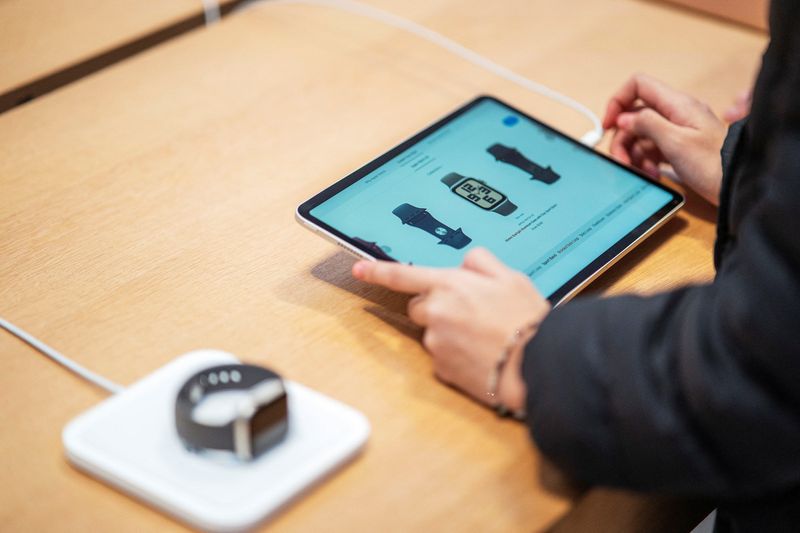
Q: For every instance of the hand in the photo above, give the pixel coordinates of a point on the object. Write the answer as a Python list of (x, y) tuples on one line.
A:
[(656, 124), (740, 107), (469, 315)]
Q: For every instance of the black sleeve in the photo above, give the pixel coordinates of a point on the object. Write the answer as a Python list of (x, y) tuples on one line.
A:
[(731, 141), (695, 391)]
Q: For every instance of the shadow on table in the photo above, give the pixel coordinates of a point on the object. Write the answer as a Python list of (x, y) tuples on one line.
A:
[(384, 304), (635, 256)]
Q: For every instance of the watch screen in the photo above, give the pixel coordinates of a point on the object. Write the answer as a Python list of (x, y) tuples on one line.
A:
[(479, 193), (267, 424)]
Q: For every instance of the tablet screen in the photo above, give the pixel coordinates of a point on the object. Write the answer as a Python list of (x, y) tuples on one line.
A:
[(490, 176)]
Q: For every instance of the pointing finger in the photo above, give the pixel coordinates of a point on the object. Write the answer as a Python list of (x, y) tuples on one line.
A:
[(399, 277), (483, 261)]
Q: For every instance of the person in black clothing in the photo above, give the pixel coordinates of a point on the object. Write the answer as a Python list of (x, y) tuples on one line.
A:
[(694, 391)]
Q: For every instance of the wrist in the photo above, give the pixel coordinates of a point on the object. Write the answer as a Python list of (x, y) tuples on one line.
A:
[(512, 390), (507, 390)]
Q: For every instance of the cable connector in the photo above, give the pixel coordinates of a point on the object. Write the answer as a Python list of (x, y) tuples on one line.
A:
[(592, 138)]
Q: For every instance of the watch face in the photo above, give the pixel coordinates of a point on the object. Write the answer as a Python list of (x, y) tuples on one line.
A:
[(268, 424), (479, 194)]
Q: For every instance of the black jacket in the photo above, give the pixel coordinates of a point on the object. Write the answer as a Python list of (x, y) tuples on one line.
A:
[(697, 391)]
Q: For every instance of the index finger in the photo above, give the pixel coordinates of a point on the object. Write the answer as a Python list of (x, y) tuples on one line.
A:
[(399, 277), (654, 93)]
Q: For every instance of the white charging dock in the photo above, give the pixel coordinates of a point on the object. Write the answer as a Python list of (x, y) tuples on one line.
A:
[(130, 442)]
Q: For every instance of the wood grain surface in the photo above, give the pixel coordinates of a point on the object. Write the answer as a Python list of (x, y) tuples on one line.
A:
[(750, 12), (38, 37), (147, 211)]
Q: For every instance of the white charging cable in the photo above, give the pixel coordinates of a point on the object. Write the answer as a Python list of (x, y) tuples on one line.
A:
[(590, 138), (61, 359)]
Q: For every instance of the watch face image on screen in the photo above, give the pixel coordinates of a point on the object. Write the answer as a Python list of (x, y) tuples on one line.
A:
[(479, 193)]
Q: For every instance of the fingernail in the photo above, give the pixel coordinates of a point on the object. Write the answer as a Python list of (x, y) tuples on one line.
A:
[(624, 121), (358, 269)]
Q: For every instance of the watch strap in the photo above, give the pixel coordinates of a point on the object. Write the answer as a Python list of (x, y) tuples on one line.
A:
[(419, 217), (452, 179), (215, 379), (514, 157), (408, 213), (456, 238), (505, 208)]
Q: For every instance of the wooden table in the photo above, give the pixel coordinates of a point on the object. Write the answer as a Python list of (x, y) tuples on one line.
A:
[(753, 13), (148, 210), (45, 44)]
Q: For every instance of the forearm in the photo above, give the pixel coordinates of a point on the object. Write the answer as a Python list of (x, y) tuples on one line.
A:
[(589, 376), (655, 394)]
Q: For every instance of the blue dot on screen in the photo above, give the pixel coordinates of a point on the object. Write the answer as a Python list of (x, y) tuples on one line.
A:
[(510, 120)]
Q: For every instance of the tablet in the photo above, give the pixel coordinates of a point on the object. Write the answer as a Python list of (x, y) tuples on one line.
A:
[(489, 175)]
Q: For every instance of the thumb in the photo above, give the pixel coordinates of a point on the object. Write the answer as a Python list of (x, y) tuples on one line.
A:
[(649, 124)]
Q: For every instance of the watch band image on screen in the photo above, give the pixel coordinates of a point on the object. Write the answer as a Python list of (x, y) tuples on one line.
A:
[(419, 217), (478, 193), (514, 157)]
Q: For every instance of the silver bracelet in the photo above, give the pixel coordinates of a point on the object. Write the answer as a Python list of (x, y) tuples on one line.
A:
[(493, 384)]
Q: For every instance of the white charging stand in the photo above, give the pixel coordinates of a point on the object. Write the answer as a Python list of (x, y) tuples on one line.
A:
[(130, 442)]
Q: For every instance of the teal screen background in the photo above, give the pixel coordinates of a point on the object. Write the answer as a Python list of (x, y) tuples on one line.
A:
[(556, 230)]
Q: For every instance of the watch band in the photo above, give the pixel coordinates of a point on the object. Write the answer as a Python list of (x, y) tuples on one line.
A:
[(419, 217), (452, 179), (513, 157), (197, 435), (505, 208)]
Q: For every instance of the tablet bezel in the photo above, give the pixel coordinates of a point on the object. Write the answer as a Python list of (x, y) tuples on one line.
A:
[(564, 293)]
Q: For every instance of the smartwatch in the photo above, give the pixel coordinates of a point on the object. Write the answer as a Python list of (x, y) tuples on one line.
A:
[(513, 157), (261, 417), (478, 193), (420, 218)]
